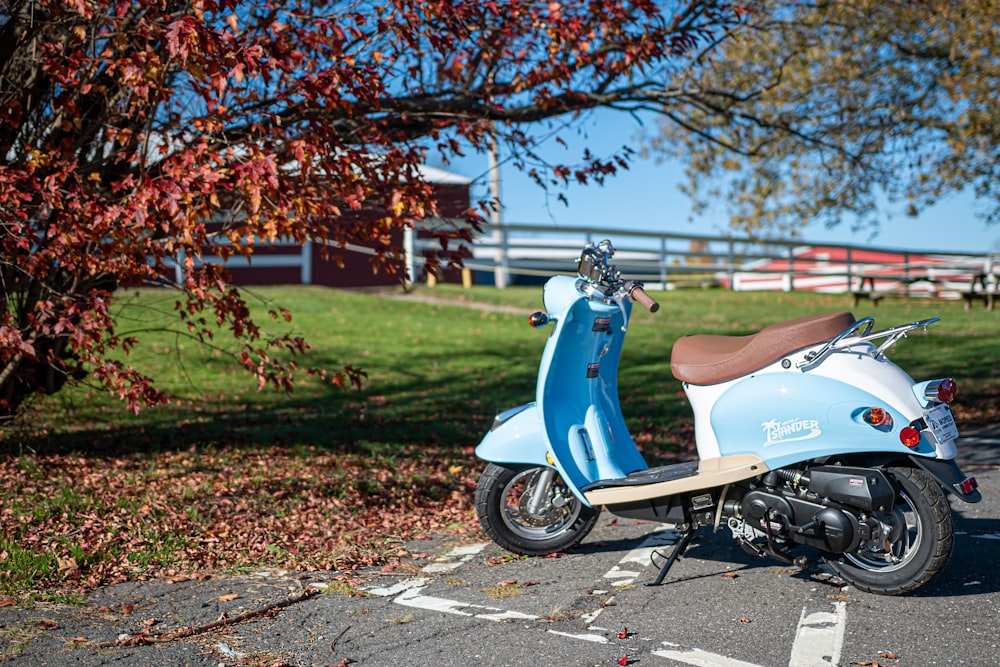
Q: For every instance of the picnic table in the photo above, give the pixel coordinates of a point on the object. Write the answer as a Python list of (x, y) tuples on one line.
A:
[(981, 285)]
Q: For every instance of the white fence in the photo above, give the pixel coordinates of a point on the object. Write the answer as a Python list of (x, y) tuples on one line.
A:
[(513, 253), (510, 253)]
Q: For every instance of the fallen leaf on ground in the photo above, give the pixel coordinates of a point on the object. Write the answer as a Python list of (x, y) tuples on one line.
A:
[(743, 619), (66, 564), (228, 597)]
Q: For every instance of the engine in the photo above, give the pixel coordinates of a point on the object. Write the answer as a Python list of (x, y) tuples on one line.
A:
[(826, 507)]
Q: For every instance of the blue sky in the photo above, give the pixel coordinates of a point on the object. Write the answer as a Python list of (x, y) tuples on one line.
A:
[(646, 197)]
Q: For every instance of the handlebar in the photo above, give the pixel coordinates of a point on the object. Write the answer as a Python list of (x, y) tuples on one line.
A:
[(599, 279), (638, 294)]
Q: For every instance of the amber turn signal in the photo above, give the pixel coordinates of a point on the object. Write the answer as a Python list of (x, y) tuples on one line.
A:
[(538, 319), (878, 417)]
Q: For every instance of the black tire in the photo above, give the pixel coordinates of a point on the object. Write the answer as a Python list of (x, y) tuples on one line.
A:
[(501, 504), (920, 547)]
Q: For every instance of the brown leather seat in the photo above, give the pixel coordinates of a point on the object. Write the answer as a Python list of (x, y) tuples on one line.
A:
[(708, 359)]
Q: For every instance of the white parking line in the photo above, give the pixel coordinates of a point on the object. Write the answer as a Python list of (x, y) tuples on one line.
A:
[(819, 637), (699, 658), (396, 589), (414, 598), (642, 556), (596, 639), (818, 640), (454, 558)]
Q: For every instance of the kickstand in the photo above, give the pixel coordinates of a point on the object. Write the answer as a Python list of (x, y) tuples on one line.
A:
[(679, 549)]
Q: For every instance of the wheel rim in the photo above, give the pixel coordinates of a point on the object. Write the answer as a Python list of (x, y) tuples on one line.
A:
[(550, 520), (904, 534)]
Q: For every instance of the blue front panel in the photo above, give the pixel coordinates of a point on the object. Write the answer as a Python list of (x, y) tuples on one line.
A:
[(578, 387), (790, 417)]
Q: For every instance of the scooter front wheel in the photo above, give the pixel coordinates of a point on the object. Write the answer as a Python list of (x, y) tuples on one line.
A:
[(528, 510), (916, 543)]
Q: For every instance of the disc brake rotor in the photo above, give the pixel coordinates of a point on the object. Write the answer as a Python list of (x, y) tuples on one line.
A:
[(546, 515)]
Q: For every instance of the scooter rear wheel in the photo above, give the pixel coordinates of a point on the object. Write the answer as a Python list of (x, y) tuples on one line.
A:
[(526, 519), (919, 537)]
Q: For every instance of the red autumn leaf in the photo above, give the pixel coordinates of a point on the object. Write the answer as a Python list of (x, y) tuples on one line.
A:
[(622, 634), (204, 156), (623, 660)]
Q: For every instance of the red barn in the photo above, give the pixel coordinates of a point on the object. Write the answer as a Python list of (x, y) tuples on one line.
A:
[(287, 263)]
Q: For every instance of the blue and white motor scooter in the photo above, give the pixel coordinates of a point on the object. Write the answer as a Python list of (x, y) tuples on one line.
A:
[(807, 434)]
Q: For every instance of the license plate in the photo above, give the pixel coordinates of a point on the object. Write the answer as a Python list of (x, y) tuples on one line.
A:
[(942, 423)]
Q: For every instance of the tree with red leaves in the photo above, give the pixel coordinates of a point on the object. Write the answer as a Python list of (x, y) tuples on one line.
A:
[(138, 136)]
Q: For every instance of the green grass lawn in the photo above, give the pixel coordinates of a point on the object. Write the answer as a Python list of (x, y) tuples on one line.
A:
[(437, 373), (337, 478)]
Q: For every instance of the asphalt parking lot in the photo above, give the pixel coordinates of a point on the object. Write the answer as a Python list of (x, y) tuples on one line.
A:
[(469, 602)]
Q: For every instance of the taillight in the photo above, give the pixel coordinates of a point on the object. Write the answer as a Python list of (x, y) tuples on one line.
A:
[(910, 437), (942, 391), (968, 485)]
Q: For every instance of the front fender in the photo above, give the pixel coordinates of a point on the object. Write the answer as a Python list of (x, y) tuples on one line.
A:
[(520, 439), (517, 439)]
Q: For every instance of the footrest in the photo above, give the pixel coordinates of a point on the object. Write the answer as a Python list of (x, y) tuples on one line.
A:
[(648, 476)]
